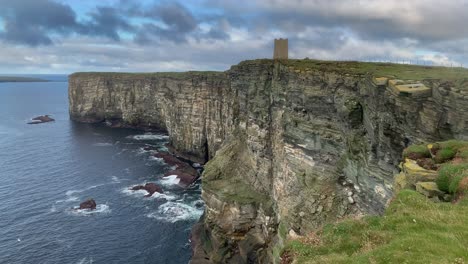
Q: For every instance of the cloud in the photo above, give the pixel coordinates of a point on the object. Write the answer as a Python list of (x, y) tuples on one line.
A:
[(421, 19), (29, 22), (125, 35), (107, 22), (169, 21)]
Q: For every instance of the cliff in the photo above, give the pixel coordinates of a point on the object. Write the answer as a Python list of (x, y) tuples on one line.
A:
[(290, 145)]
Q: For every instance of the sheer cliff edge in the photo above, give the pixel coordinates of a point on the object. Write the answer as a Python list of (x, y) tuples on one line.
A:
[(289, 145)]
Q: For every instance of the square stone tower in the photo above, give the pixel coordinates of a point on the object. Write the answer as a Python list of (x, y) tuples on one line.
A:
[(281, 49)]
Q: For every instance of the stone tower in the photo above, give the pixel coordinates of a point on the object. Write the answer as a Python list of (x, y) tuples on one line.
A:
[(281, 49)]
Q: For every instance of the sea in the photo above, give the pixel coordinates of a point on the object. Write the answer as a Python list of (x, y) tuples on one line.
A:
[(47, 170)]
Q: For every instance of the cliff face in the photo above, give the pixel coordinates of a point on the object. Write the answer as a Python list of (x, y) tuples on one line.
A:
[(290, 147), (194, 108)]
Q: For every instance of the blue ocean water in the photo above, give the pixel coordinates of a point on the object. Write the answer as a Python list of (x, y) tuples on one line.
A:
[(47, 169)]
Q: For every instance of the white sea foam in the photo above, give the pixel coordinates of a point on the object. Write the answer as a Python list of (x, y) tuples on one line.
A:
[(69, 199), (142, 194), (100, 209), (170, 180), (174, 211), (140, 151), (163, 149), (197, 165), (166, 196), (148, 136), (153, 158), (199, 204), (138, 193), (115, 179), (103, 144), (71, 192)]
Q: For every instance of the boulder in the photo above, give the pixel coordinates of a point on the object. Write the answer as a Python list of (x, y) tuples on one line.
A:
[(41, 119), (88, 204), (429, 189), (415, 173), (151, 188)]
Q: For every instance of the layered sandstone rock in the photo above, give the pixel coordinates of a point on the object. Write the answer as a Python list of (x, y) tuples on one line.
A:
[(288, 148)]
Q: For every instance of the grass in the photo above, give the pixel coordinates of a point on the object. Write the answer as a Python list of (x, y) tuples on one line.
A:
[(420, 151), (413, 230), (450, 176), (225, 175), (391, 70), (444, 155), (451, 156), (175, 75), (458, 76)]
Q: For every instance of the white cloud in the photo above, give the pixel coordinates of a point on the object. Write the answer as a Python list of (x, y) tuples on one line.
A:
[(335, 30)]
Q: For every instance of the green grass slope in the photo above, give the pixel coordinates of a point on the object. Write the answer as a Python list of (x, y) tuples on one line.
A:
[(413, 230)]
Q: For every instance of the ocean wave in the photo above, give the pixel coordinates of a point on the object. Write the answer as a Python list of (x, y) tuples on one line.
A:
[(170, 180), (140, 151), (174, 212), (68, 200), (148, 136), (115, 179), (103, 144), (153, 158), (100, 209), (71, 192), (143, 193)]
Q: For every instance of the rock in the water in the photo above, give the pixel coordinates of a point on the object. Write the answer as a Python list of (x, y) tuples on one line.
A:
[(169, 159), (151, 188), (429, 189), (41, 119), (186, 173), (88, 204)]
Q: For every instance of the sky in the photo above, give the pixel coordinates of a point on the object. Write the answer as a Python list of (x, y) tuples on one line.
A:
[(59, 36)]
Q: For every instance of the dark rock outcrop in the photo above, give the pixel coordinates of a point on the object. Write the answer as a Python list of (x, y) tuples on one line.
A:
[(151, 188), (41, 119), (288, 148), (184, 171), (88, 204)]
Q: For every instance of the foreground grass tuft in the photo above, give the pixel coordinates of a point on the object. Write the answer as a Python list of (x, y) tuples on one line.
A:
[(413, 230), (416, 151), (450, 176), (450, 158)]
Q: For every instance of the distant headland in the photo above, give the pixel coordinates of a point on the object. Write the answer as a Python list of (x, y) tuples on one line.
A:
[(20, 79)]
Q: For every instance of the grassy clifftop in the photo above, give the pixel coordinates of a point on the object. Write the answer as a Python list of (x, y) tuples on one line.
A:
[(143, 75), (416, 227), (400, 71), (413, 230), (457, 75)]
